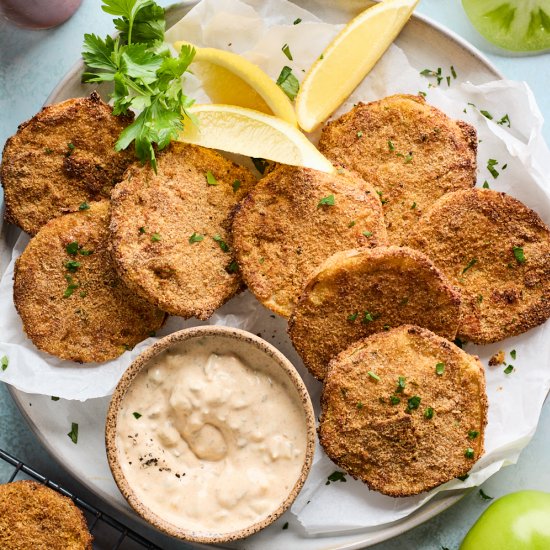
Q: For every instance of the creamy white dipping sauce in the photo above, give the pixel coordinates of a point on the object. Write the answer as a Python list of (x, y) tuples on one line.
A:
[(221, 439)]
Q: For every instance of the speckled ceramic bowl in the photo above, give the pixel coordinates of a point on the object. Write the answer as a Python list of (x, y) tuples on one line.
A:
[(234, 337)]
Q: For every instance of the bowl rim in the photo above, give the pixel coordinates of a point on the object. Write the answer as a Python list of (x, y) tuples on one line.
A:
[(216, 331)]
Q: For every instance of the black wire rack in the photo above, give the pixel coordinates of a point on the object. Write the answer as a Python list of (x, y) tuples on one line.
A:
[(108, 532)]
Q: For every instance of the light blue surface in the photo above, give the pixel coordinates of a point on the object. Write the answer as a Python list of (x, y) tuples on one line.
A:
[(32, 62)]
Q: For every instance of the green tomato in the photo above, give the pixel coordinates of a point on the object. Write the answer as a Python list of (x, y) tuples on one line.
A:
[(518, 521), (516, 25)]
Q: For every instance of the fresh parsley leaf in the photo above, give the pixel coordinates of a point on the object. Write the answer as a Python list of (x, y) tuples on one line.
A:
[(285, 526), (472, 434), (84, 206), (196, 238), (353, 316), (471, 264), (72, 265), (72, 248), (518, 254), (336, 476), (394, 400), (373, 375), (513, 354), (236, 185), (326, 201), (223, 245), (73, 434), (297, 21), (146, 77), (55, 398), (491, 163), (413, 403), (486, 114), (440, 369), (211, 179), (401, 383), (137, 415), (509, 369), (367, 233), (286, 51), (155, 237), (4, 362), (469, 453), (233, 267), (484, 496), (288, 83), (428, 413)]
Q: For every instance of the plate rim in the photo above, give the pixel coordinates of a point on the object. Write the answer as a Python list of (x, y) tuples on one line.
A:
[(388, 531)]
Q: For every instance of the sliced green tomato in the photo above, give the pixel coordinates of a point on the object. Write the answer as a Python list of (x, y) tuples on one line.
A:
[(516, 25)]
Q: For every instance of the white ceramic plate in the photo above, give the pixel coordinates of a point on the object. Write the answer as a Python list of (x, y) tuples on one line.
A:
[(426, 45)]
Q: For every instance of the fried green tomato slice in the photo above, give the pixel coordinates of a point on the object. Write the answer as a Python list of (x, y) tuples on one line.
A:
[(410, 152), (61, 158), (404, 411), (170, 230), (292, 221), (497, 250), (357, 293), (35, 516), (72, 303)]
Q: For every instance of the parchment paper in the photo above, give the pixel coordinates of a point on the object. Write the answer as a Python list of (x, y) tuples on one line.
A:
[(258, 30)]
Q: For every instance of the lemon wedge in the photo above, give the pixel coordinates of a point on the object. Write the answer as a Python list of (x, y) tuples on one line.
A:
[(348, 59), (231, 79), (251, 133)]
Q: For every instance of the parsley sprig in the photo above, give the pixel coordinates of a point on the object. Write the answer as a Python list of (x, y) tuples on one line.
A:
[(145, 76)]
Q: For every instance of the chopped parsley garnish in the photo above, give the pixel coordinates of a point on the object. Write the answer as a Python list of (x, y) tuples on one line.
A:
[(351, 223), (359, 405), (288, 83), (484, 496), (369, 317), (84, 206), (137, 415), (286, 50), (336, 476), (491, 163), (413, 403), (85, 252), (518, 254), (429, 413), (233, 267), (383, 201), (72, 265), (73, 434), (471, 264), (464, 477), (326, 201), (297, 21), (485, 185), (367, 233), (285, 526), (70, 149), (408, 158), (4, 362), (413, 206), (70, 289), (155, 237), (55, 398), (72, 248), (472, 434), (469, 453), (83, 294), (394, 400), (486, 114), (353, 316), (211, 179), (261, 260), (373, 375), (196, 238), (401, 383), (148, 78), (509, 369), (440, 369), (513, 354), (236, 185), (223, 245), (391, 146), (453, 72), (259, 164), (48, 151), (359, 134), (504, 120), (142, 230), (423, 94)]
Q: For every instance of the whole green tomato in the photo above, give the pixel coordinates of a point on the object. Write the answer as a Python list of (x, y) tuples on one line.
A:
[(518, 521)]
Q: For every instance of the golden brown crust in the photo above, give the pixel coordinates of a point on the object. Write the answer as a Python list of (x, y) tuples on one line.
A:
[(154, 217), (60, 158), (371, 429), (101, 317), (410, 152), (471, 235), (35, 516), (281, 232), (357, 293)]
